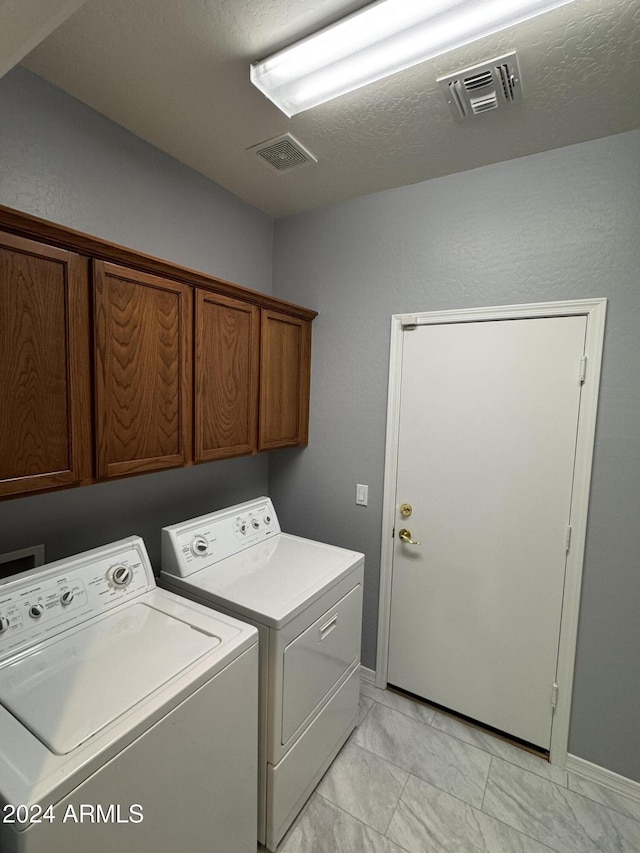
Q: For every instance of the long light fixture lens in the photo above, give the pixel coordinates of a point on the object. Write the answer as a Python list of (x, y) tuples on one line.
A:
[(380, 40)]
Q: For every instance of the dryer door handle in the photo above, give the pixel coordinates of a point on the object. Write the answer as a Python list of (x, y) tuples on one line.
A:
[(328, 627)]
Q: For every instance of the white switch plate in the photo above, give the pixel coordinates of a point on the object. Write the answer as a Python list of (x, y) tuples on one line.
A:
[(362, 495)]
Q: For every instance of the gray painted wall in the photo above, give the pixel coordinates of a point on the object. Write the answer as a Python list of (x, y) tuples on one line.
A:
[(64, 162), (559, 225)]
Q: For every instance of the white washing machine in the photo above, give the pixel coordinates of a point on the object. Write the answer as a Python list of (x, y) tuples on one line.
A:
[(305, 598), (128, 714)]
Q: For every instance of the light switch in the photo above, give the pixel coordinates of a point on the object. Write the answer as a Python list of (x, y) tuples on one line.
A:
[(362, 495)]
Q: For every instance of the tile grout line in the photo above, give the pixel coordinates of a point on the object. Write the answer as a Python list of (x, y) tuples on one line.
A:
[(481, 748), (358, 820), (436, 729), (426, 781), (285, 838), (493, 754), (392, 763), (345, 809), (562, 786), (411, 775), (504, 823), (419, 779), (601, 805), (393, 708), (396, 806), (564, 791), (443, 790), (364, 716), (455, 737), (486, 785), (448, 793), (606, 805), (479, 809)]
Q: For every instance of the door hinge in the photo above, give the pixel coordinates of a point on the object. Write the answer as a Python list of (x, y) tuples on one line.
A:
[(409, 324), (554, 695), (583, 369), (568, 540)]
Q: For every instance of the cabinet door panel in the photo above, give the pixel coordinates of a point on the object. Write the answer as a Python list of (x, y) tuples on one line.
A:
[(143, 371), (44, 367), (226, 377), (284, 380)]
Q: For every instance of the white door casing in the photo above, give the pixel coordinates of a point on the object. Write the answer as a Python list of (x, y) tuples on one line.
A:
[(592, 313)]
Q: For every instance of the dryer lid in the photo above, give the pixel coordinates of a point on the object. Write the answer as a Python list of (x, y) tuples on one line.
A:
[(69, 689), (272, 582)]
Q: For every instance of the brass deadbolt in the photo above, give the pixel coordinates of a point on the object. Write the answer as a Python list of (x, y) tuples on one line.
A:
[(406, 510)]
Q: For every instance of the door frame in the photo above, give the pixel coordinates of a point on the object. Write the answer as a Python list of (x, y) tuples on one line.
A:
[(595, 312)]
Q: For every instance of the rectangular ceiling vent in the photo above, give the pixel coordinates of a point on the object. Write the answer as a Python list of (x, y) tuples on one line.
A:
[(283, 153), (492, 85)]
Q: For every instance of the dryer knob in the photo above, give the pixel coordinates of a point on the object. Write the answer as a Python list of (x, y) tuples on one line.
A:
[(199, 546), (67, 596), (36, 611), (120, 575), (4, 624)]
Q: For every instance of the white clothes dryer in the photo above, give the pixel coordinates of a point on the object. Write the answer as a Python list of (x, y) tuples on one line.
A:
[(128, 715), (305, 598)]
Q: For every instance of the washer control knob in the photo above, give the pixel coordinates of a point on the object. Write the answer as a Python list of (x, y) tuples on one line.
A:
[(67, 596), (36, 611), (4, 624), (199, 546), (120, 575), (267, 519), (255, 524), (243, 528)]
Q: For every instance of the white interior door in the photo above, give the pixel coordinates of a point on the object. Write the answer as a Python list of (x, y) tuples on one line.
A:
[(487, 439)]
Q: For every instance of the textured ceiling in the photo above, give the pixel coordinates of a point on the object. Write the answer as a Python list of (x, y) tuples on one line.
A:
[(25, 23), (176, 73)]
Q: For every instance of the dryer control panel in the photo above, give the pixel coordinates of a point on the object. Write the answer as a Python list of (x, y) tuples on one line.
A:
[(40, 603), (195, 544)]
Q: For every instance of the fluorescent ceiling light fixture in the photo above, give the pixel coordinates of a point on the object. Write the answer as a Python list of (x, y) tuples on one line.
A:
[(380, 40)]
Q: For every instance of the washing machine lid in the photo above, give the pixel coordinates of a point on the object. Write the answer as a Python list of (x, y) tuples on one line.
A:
[(273, 581), (73, 686)]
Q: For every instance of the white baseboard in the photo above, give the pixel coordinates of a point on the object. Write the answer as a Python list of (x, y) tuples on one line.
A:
[(367, 675), (602, 776)]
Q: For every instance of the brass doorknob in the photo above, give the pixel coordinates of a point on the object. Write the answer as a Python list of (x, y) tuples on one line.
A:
[(405, 536)]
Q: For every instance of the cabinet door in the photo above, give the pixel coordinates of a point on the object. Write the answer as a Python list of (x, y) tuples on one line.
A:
[(45, 409), (226, 377), (285, 366), (142, 371)]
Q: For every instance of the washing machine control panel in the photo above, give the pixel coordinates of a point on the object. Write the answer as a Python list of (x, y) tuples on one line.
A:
[(191, 546), (38, 604)]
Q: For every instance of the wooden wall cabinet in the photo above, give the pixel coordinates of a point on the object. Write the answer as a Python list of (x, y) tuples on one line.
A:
[(185, 367), (142, 340), (285, 371), (45, 408), (226, 373), (252, 371)]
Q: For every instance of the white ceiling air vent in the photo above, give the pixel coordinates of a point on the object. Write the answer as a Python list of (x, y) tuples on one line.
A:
[(489, 86), (283, 153)]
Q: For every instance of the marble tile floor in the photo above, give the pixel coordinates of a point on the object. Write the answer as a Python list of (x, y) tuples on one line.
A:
[(414, 780)]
